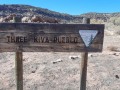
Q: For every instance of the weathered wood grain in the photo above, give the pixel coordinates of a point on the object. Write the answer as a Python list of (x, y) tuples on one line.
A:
[(33, 37)]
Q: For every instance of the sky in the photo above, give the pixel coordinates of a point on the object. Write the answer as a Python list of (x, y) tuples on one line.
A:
[(73, 7)]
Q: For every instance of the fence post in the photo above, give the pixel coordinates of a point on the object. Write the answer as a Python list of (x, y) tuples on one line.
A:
[(18, 65), (83, 66)]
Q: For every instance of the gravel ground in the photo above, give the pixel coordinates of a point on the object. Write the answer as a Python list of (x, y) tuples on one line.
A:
[(61, 71)]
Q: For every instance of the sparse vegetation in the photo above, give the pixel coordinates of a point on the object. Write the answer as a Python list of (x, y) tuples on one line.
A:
[(115, 20), (30, 11)]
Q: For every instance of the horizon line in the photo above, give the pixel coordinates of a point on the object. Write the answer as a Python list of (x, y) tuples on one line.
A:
[(65, 12)]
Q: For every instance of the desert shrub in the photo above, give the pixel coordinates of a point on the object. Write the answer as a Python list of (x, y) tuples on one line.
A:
[(97, 21), (93, 21), (112, 20), (115, 20)]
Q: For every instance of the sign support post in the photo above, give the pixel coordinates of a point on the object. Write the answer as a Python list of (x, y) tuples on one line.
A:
[(19, 66), (19, 69), (83, 66)]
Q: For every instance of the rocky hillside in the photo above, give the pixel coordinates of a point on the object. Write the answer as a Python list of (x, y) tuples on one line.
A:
[(30, 11), (26, 10), (103, 16)]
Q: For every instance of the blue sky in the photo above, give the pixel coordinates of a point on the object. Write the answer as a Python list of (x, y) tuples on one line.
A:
[(74, 7)]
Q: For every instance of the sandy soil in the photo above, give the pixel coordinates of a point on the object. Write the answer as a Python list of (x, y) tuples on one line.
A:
[(61, 71)]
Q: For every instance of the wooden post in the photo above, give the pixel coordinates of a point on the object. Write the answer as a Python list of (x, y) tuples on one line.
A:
[(19, 70), (84, 60), (18, 66)]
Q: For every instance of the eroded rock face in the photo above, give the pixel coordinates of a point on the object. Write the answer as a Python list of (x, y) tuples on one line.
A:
[(51, 20), (30, 19), (26, 19), (8, 18), (37, 19), (1, 19)]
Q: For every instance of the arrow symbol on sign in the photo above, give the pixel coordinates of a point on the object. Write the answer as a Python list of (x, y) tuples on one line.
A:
[(88, 36)]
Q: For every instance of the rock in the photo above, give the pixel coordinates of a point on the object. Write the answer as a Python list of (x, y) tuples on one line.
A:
[(37, 19), (26, 19), (2, 19), (51, 20), (73, 57), (115, 54), (59, 60), (33, 71), (117, 76), (90, 55)]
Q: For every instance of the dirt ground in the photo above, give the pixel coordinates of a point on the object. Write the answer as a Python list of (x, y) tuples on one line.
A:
[(61, 71)]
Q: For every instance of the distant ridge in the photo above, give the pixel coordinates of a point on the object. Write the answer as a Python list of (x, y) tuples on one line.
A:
[(27, 10)]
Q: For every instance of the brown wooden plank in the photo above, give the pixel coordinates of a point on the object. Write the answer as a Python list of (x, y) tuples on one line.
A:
[(84, 60), (48, 37), (18, 64), (19, 70)]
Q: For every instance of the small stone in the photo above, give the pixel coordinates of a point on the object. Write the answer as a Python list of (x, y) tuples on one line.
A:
[(117, 76), (33, 71), (59, 60), (115, 54), (74, 57), (90, 55)]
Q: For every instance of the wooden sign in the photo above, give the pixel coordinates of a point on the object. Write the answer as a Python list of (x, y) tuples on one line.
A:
[(32, 37)]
